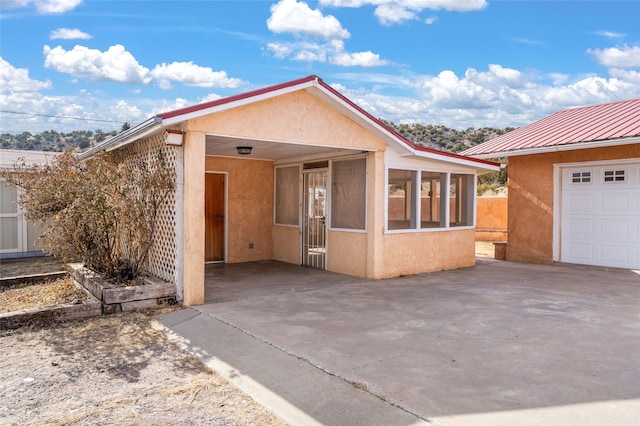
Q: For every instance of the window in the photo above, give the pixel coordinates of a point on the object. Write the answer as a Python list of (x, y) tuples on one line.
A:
[(287, 195), (614, 176), (349, 194), (461, 200), (581, 177), (442, 200), (401, 199), (432, 210)]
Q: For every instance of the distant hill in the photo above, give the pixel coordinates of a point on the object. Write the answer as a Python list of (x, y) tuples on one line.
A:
[(445, 139), (436, 137), (52, 140)]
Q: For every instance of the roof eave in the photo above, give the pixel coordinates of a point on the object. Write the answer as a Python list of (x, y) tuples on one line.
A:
[(557, 148), (138, 132)]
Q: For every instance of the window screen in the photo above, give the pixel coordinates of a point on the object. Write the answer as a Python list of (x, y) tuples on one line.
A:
[(401, 208), (461, 199), (349, 194), (432, 212), (287, 195)]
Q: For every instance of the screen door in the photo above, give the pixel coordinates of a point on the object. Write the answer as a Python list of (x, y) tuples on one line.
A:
[(314, 229)]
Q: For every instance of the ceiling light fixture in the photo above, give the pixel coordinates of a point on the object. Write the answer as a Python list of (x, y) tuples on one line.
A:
[(244, 150)]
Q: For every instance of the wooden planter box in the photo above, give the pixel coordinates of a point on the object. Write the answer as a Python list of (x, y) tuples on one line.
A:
[(116, 298)]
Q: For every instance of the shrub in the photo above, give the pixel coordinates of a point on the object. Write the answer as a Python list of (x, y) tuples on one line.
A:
[(102, 210)]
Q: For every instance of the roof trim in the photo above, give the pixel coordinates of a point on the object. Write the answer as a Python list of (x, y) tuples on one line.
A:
[(171, 118), (130, 135), (557, 148)]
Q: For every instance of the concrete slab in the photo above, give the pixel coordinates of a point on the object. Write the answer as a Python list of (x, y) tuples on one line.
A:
[(501, 343)]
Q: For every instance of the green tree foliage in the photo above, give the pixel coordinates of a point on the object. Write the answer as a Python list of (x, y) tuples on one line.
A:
[(102, 211)]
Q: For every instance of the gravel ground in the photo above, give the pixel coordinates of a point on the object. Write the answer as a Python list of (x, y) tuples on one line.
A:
[(117, 369)]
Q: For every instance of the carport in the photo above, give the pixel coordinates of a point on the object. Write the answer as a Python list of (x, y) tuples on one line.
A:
[(501, 343)]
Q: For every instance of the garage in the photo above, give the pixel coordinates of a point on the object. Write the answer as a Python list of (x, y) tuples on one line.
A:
[(600, 214)]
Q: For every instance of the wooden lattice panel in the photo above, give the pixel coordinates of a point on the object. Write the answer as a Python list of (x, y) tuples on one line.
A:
[(161, 261)]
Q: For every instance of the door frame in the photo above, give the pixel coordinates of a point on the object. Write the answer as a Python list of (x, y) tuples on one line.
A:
[(225, 232), (21, 223)]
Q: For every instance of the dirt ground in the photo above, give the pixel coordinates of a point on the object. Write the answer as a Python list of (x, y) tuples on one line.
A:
[(117, 369)]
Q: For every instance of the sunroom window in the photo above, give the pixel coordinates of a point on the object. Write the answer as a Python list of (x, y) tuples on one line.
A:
[(401, 199), (442, 200), (432, 210), (461, 196)]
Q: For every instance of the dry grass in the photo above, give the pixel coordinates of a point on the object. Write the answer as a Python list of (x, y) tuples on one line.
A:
[(39, 295)]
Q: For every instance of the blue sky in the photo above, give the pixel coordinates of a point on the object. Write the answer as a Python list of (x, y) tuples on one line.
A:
[(458, 63)]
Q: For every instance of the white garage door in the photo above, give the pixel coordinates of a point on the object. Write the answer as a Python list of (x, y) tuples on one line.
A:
[(600, 214)]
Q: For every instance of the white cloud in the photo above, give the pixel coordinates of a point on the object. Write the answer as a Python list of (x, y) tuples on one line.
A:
[(431, 20), (358, 59), (191, 74), (398, 11), (291, 16), (333, 52), (610, 34), (69, 34), (44, 7), (394, 13), (619, 57), (496, 97), (124, 112), (14, 4), (16, 80), (626, 75), (115, 65), (56, 6)]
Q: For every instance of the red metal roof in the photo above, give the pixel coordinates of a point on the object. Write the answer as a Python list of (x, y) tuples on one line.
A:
[(568, 129)]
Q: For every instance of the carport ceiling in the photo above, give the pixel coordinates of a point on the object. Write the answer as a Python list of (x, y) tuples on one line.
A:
[(225, 146)]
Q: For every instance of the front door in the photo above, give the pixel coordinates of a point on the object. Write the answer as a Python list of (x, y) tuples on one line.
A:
[(10, 223), (214, 217), (314, 229)]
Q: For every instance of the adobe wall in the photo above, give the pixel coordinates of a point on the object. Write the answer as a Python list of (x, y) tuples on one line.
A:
[(491, 218), (419, 252), (530, 222), (297, 116), (249, 207)]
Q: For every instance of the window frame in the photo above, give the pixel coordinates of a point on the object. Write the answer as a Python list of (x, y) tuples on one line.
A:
[(445, 210)]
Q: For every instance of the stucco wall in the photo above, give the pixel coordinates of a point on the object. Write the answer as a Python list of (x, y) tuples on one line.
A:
[(297, 116), (530, 223), (347, 253), (491, 218), (249, 209), (286, 244), (415, 253)]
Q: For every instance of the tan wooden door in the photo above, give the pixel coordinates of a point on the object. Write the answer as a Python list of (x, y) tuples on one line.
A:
[(214, 217)]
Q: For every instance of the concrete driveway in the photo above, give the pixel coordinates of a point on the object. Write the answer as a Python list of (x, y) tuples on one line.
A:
[(500, 343)]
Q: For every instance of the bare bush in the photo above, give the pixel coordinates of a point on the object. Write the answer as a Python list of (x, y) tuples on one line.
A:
[(102, 210)]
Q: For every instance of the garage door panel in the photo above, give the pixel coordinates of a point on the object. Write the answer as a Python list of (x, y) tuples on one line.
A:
[(615, 255), (615, 203), (615, 229), (580, 227), (581, 202), (600, 214)]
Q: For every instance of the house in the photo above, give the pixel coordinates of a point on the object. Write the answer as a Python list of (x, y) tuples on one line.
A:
[(298, 173), (574, 186), (18, 235)]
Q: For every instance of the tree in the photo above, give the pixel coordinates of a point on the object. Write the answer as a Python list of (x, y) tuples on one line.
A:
[(102, 211)]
